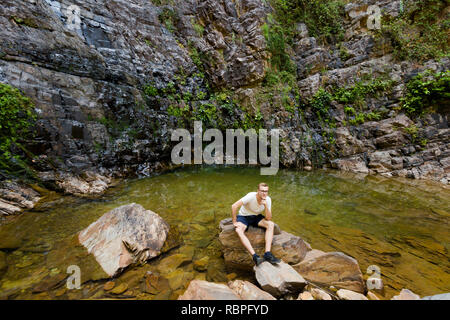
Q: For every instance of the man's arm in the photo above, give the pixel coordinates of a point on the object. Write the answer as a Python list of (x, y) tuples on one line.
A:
[(234, 209), (267, 212)]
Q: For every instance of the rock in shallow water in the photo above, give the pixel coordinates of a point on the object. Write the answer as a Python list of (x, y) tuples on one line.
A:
[(15, 197), (319, 294), (248, 291), (279, 279), (372, 296), (201, 264), (121, 288), (50, 283), (171, 263), (204, 290), (124, 235), (291, 249), (305, 295), (332, 269), (90, 183), (345, 294), (406, 294), (155, 283), (442, 296), (3, 264)]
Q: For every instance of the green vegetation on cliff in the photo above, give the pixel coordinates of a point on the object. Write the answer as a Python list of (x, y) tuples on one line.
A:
[(357, 94), (323, 18), (276, 45), (169, 18), (420, 32), (427, 90), (215, 109), (16, 118)]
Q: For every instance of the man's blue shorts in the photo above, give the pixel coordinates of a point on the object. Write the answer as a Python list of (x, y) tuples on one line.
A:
[(251, 220)]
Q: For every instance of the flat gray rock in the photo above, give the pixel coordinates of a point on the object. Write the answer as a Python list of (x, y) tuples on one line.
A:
[(279, 279)]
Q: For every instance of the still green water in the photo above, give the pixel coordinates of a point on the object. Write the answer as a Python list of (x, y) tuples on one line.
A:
[(399, 225)]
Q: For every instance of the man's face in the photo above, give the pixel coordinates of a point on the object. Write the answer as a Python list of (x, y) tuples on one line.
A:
[(263, 192)]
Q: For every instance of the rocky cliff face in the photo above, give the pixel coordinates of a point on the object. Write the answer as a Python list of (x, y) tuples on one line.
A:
[(108, 78)]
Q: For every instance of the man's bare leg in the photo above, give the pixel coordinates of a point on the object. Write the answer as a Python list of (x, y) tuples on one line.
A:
[(269, 225), (268, 256), (240, 230)]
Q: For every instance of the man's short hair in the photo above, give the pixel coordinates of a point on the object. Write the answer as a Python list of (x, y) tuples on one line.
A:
[(262, 184)]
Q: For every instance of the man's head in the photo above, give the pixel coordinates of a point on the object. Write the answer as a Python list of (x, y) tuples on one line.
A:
[(263, 190)]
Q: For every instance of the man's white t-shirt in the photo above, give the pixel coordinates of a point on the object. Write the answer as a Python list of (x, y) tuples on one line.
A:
[(251, 205)]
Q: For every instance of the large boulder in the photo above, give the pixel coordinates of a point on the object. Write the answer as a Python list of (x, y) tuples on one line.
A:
[(289, 248), (332, 269), (123, 236), (204, 290), (279, 279), (248, 291)]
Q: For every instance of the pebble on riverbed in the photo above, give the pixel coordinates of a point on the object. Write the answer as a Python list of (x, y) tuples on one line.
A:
[(109, 285)]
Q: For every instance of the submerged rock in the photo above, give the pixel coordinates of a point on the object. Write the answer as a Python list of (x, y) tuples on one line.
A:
[(50, 283), (279, 279), (291, 249), (201, 264), (179, 279), (123, 236), (173, 240), (109, 285), (3, 263), (155, 283), (121, 288), (332, 269), (171, 263), (204, 290)]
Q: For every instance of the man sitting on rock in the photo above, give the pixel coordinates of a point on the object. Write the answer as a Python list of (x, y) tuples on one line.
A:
[(250, 214)]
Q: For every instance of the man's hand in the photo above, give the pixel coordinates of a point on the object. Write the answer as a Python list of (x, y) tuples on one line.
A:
[(264, 202), (235, 224)]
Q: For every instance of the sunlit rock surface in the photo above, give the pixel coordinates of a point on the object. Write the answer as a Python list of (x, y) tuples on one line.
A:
[(123, 236)]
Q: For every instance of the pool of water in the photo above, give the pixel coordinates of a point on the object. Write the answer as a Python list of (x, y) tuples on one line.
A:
[(399, 225)]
